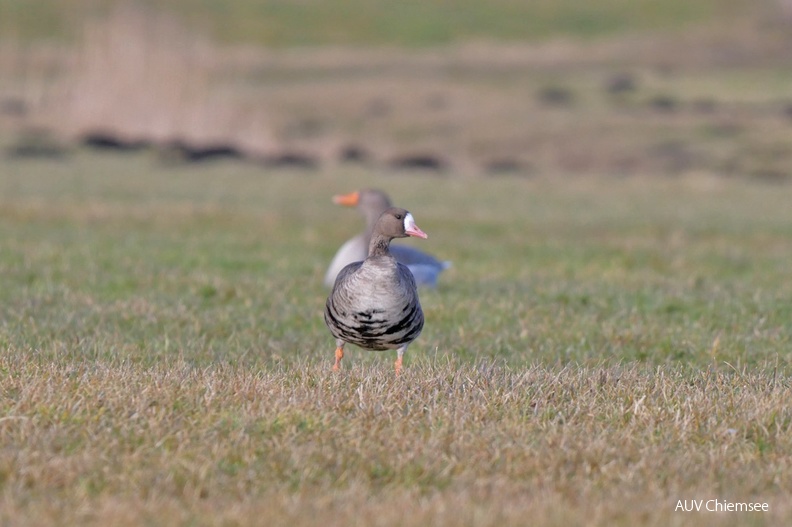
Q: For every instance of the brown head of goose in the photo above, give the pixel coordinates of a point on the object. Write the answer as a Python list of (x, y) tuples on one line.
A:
[(371, 203), (374, 303)]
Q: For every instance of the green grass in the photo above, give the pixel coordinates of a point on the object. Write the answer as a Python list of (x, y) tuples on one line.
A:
[(601, 348), (379, 22), (557, 272)]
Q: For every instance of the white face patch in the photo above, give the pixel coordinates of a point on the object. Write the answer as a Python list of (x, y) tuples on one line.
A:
[(409, 222), (411, 228)]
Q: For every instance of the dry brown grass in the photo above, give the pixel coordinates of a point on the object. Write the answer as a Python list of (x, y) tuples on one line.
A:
[(143, 76), (445, 444)]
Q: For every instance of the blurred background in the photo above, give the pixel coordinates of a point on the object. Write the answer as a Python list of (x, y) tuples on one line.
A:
[(465, 87)]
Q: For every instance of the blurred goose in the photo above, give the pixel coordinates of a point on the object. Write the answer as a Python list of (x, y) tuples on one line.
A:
[(371, 203), (374, 303)]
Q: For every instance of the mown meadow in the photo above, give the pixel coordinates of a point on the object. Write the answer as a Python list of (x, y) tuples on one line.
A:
[(601, 348), (611, 185)]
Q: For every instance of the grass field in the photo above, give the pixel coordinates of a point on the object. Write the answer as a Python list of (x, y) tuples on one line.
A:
[(704, 92), (284, 23), (614, 335), (601, 349)]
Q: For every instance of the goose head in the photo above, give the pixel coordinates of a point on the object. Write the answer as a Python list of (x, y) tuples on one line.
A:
[(397, 223), (370, 202)]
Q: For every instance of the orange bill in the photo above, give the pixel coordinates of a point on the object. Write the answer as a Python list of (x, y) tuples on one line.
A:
[(348, 200)]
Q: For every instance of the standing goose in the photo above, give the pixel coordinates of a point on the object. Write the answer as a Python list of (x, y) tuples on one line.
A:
[(374, 303), (371, 203)]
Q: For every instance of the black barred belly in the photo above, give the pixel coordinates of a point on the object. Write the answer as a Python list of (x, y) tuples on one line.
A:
[(373, 329)]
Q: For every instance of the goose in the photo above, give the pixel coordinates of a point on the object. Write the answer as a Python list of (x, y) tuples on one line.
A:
[(371, 203), (374, 303)]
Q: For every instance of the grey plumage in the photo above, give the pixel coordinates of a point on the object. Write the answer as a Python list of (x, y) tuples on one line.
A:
[(372, 202), (374, 303)]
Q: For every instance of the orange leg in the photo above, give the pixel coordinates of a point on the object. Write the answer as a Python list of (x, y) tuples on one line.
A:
[(398, 363), (339, 355)]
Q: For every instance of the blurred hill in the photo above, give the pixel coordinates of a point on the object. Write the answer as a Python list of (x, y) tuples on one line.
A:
[(497, 88)]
